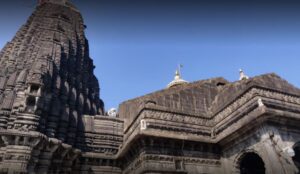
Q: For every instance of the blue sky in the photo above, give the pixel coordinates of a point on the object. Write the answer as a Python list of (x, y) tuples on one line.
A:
[(137, 44)]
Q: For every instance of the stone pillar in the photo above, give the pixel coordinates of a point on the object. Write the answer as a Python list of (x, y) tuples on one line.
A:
[(46, 155), (35, 157), (58, 158), (84, 166), (70, 158), (72, 129), (53, 118), (62, 131)]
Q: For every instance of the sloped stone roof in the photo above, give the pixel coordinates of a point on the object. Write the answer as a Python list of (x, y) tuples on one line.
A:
[(232, 91), (205, 97), (195, 98)]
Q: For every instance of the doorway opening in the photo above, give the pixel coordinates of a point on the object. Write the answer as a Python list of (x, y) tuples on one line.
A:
[(296, 158), (251, 163)]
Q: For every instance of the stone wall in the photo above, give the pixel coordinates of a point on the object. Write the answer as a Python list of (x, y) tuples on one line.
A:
[(266, 141)]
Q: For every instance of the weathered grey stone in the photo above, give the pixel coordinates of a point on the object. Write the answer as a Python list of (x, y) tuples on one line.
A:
[(52, 119)]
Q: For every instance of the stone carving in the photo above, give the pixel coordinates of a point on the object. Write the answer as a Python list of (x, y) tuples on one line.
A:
[(260, 102), (53, 121), (143, 125), (30, 102)]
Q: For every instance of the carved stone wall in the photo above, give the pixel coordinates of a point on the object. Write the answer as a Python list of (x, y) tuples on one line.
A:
[(267, 142)]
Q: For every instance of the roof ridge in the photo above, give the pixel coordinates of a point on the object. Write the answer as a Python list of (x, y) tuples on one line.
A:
[(176, 88)]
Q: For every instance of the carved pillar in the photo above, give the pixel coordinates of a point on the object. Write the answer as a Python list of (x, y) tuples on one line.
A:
[(55, 110), (64, 119), (58, 158), (46, 156), (68, 161), (84, 166), (35, 157), (62, 131), (72, 127)]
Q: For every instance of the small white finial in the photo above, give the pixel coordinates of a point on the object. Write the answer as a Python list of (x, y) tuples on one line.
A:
[(243, 76), (112, 112), (177, 75), (260, 102), (177, 79)]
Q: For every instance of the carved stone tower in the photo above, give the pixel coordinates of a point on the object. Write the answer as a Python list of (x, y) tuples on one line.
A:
[(46, 86)]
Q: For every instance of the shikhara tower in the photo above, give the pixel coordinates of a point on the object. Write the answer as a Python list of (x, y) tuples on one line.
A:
[(46, 81), (52, 119)]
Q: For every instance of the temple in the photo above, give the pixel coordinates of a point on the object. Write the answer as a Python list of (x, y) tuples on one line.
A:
[(52, 119)]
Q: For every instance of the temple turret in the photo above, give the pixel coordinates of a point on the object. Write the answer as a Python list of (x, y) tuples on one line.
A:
[(47, 82)]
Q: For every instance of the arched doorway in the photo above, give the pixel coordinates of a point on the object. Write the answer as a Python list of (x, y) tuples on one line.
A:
[(251, 163), (296, 158)]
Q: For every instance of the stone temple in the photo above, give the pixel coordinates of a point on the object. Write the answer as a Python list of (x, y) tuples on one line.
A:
[(53, 121)]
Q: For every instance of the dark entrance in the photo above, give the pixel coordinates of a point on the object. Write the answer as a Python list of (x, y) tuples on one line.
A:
[(296, 158), (251, 163)]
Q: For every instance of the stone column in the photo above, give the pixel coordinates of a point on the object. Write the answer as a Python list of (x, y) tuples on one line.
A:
[(46, 155), (68, 161), (85, 166), (58, 158), (35, 157)]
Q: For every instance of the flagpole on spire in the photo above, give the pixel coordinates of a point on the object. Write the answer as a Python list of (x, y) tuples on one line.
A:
[(179, 68)]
